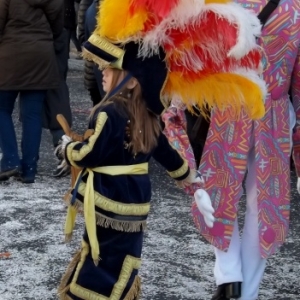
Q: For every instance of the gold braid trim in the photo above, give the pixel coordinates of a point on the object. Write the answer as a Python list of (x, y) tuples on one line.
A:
[(130, 263), (106, 46), (116, 207), (181, 171), (106, 222), (64, 286), (69, 151), (78, 155)]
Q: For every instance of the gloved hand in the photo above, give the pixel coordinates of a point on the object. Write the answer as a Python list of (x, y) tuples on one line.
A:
[(298, 185), (60, 149), (203, 202), (193, 177)]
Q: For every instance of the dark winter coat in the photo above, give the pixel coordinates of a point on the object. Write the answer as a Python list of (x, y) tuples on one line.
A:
[(86, 25), (90, 82), (57, 101), (70, 21), (27, 57), (83, 6)]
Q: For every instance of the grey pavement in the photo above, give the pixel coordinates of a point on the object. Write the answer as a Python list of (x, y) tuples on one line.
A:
[(176, 263)]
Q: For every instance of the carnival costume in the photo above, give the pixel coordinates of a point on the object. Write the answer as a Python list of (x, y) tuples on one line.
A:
[(212, 61), (113, 189), (262, 147)]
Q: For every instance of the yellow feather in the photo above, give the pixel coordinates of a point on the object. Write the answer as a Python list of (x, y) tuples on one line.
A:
[(222, 91), (115, 22)]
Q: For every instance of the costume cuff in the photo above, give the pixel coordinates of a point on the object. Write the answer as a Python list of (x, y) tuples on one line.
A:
[(68, 154), (182, 172)]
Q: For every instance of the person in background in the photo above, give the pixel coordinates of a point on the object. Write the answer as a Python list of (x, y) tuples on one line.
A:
[(70, 24), (261, 149), (86, 24), (57, 101), (28, 68)]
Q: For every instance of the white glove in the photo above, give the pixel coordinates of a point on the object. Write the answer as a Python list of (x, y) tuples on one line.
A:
[(298, 185), (65, 140), (193, 177), (204, 205), (60, 149)]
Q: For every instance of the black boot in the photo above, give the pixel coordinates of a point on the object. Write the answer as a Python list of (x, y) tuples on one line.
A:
[(220, 293), (227, 291), (233, 290)]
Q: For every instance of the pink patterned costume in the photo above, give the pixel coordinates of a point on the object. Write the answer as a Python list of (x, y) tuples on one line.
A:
[(262, 147)]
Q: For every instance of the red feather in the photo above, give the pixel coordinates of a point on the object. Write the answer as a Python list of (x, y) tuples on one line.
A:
[(208, 40), (160, 8)]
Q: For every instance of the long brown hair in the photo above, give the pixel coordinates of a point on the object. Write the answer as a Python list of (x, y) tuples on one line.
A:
[(144, 126)]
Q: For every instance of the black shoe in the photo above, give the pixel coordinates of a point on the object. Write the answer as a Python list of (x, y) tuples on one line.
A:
[(27, 180), (24, 179), (227, 291), (3, 178), (220, 293), (61, 170), (5, 175)]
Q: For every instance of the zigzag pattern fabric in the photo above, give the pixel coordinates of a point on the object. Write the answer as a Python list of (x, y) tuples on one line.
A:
[(224, 160)]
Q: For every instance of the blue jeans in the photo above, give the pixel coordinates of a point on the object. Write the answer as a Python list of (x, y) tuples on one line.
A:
[(31, 105)]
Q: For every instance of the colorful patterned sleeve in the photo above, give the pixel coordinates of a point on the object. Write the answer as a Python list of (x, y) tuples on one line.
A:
[(295, 89), (175, 131)]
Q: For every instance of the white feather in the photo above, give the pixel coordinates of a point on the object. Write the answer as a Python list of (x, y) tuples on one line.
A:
[(248, 24), (179, 17)]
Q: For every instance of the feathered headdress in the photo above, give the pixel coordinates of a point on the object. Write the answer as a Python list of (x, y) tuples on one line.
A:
[(211, 53)]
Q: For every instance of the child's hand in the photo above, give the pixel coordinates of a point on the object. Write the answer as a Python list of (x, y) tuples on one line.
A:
[(193, 177), (60, 149), (203, 202)]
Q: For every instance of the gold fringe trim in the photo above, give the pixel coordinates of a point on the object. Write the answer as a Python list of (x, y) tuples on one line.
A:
[(63, 287), (135, 290), (68, 196), (126, 226), (106, 222), (96, 59)]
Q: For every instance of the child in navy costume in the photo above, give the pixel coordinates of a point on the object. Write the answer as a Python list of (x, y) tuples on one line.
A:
[(114, 188)]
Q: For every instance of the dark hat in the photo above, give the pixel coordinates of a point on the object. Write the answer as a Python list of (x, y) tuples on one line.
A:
[(151, 72)]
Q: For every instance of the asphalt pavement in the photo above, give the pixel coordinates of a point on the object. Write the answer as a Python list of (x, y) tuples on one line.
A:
[(177, 264)]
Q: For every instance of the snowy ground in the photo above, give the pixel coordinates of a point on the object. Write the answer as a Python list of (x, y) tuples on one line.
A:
[(177, 263)]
